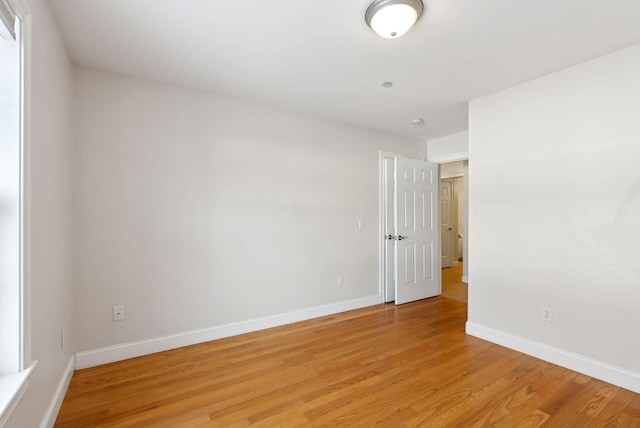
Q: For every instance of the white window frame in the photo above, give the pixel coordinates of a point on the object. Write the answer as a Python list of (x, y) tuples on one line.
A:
[(14, 385)]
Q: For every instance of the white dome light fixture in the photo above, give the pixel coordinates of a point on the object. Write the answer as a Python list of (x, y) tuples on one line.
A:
[(393, 18)]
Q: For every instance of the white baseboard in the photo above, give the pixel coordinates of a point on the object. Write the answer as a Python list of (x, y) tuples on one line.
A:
[(465, 279), (597, 369), (138, 348), (51, 414)]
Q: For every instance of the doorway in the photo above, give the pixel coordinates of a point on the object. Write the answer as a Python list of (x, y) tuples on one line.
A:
[(453, 209)]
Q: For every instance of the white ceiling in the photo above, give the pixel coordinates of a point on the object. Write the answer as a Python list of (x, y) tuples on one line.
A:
[(319, 56)]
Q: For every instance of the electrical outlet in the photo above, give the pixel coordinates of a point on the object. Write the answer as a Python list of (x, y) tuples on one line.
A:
[(547, 314), (340, 281), (118, 313)]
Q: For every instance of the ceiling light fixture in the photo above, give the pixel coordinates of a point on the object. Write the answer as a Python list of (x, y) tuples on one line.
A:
[(392, 18)]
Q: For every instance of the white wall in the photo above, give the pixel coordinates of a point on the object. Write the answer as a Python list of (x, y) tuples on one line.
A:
[(449, 148), (555, 210), (195, 210), (50, 202)]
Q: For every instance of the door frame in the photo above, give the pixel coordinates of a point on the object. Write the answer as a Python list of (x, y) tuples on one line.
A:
[(465, 207), (453, 229)]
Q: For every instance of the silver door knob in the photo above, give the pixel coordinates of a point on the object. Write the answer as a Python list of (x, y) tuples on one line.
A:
[(400, 237)]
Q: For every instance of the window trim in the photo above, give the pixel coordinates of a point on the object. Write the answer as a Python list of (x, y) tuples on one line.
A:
[(24, 14), (12, 388)]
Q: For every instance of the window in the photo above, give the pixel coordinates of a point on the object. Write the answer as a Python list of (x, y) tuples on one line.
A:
[(13, 373), (9, 203)]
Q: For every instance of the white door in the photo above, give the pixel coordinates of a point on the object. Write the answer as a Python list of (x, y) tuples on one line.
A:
[(417, 232), (446, 219)]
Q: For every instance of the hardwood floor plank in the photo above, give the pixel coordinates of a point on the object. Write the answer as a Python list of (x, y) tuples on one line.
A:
[(598, 402), (633, 408)]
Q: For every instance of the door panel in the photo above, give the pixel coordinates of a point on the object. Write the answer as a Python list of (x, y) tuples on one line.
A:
[(427, 255), (409, 210), (418, 236), (410, 263), (427, 218)]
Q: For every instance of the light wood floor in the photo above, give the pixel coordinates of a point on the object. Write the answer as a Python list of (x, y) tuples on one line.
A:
[(408, 366), (452, 285)]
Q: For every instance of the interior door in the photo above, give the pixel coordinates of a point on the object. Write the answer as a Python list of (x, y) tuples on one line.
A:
[(417, 238), (446, 219)]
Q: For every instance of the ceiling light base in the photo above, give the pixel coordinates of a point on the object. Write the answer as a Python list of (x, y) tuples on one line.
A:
[(393, 18)]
